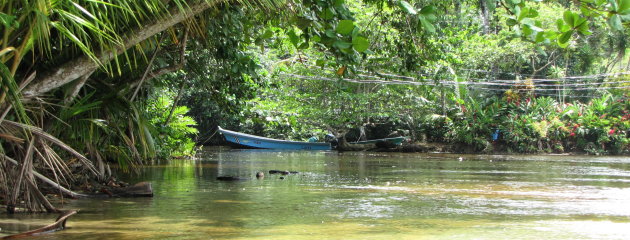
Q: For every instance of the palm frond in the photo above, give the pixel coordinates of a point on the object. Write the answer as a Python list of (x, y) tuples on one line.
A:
[(41, 133)]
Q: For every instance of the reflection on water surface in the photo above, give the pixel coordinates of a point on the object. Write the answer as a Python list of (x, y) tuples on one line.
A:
[(362, 196)]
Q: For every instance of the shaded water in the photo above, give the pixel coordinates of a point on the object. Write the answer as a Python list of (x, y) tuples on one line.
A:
[(362, 196)]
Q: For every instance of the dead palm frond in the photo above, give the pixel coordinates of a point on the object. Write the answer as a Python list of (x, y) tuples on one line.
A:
[(42, 134)]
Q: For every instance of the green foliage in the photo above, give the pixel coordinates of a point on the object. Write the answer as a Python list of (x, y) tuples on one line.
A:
[(109, 128), (174, 139), (523, 20), (544, 125)]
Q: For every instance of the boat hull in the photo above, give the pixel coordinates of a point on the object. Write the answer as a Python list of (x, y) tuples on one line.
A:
[(394, 140), (252, 141)]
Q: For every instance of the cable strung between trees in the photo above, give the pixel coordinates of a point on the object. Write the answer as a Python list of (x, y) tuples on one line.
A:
[(504, 83)]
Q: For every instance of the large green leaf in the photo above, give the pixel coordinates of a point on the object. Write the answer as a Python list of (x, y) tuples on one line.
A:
[(429, 13), (564, 38), (427, 10), (426, 25), (267, 34), (511, 22), (540, 37), (360, 44), (615, 22), (584, 29), (345, 27), (405, 6), (327, 14), (561, 26), (293, 37), (491, 5), (342, 44), (569, 18)]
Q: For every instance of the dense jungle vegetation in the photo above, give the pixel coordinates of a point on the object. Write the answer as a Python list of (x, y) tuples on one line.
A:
[(91, 85)]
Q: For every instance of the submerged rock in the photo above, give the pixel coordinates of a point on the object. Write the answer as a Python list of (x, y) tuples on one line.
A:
[(141, 189), (231, 178), (283, 172)]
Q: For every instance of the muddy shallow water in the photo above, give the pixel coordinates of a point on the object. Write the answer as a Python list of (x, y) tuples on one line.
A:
[(361, 196)]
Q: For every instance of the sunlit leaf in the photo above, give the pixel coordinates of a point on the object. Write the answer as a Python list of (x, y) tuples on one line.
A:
[(427, 10), (342, 44), (584, 29), (293, 37), (569, 18), (564, 38), (405, 6), (345, 27), (540, 37), (360, 44), (327, 14), (426, 25), (511, 22), (267, 34), (615, 22)]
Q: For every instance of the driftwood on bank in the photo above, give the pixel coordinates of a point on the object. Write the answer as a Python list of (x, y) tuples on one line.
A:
[(59, 224)]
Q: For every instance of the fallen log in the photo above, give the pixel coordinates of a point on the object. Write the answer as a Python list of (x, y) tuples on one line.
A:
[(58, 225)]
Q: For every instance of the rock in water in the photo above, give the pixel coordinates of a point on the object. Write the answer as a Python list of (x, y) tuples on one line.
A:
[(231, 178), (141, 189), (279, 172)]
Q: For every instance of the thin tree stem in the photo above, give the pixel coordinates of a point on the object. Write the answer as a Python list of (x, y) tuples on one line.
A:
[(179, 94), (147, 70)]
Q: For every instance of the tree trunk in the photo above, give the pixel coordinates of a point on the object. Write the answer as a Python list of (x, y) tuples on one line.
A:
[(76, 88), (83, 65), (176, 101), (483, 9)]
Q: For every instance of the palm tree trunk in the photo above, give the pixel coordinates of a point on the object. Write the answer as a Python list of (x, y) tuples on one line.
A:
[(483, 8), (83, 65)]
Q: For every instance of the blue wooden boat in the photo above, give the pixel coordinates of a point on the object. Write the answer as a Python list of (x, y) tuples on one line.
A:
[(253, 141)]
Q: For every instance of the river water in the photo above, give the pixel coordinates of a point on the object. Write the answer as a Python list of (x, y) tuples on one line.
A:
[(361, 196)]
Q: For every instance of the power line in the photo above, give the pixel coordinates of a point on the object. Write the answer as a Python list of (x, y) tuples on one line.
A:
[(547, 89), (594, 76), (571, 86)]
